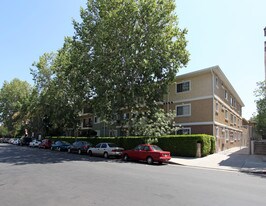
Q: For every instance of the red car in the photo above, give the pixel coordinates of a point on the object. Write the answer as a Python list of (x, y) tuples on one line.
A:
[(46, 144), (148, 153)]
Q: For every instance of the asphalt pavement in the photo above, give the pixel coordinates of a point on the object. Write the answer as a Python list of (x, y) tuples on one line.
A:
[(234, 159)]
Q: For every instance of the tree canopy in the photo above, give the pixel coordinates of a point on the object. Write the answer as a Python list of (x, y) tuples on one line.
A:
[(122, 57), (260, 119), (134, 50)]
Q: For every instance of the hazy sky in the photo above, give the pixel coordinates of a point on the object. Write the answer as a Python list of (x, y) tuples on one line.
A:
[(228, 33)]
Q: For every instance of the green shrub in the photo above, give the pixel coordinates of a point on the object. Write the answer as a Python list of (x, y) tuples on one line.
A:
[(178, 145)]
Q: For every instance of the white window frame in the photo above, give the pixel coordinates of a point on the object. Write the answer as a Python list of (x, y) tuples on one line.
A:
[(226, 94), (189, 89), (226, 114), (184, 115)]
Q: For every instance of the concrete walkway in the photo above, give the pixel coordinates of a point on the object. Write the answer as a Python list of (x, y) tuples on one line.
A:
[(234, 159)]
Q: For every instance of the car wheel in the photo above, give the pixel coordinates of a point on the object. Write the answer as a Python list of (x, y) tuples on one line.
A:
[(105, 155), (59, 149), (51, 148), (149, 160), (125, 158), (69, 150), (90, 153), (79, 151)]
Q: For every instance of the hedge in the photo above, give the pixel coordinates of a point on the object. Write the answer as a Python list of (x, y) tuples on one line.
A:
[(178, 145)]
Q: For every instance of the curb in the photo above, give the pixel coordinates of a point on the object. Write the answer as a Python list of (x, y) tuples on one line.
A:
[(243, 170)]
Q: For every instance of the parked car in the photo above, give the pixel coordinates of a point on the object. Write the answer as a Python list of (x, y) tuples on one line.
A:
[(25, 141), (35, 143), (105, 149), (79, 147), (46, 144), (148, 153), (16, 141), (60, 145)]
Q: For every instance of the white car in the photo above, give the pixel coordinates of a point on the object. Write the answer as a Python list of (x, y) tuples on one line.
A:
[(16, 142), (35, 143), (105, 149)]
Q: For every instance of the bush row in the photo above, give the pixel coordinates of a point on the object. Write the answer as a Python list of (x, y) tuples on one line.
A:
[(178, 145)]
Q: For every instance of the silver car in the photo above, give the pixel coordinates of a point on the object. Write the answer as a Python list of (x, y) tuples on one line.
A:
[(105, 149), (35, 143)]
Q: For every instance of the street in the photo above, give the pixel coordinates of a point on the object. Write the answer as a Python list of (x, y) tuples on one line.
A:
[(30, 177)]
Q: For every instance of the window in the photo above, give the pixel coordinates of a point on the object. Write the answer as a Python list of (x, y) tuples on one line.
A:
[(183, 110), (232, 118), (183, 131), (217, 106), (125, 116), (96, 120), (217, 82), (217, 132), (183, 87), (225, 94), (226, 134), (226, 114), (104, 145)]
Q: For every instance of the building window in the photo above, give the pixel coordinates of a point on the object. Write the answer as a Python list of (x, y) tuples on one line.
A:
[(232, 118), (125, 116), (226, 134), (225, 94), (96, 120), (217, 82), (217, 106), (183, 110), (183, 87), (183, 131), (217, 132), (226, 114)]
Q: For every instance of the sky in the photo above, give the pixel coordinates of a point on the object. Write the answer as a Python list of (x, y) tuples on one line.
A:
[(227, 33)]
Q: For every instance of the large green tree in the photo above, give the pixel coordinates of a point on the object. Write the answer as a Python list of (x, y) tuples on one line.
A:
[(14, 104), (261, 109), (133, 51)]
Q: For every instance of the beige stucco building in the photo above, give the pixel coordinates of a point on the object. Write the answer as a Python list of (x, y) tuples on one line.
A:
[(206, 103)]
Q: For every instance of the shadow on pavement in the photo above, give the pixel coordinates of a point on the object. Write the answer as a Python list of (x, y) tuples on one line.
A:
[(22, 155), (244, 162)]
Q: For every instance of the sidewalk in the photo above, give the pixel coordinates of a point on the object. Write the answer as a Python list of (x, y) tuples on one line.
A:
[(234, 159)]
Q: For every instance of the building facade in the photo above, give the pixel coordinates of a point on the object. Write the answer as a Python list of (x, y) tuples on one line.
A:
[(206, 103)]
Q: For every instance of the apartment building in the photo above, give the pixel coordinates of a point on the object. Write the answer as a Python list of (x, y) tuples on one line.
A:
[(206, 103)]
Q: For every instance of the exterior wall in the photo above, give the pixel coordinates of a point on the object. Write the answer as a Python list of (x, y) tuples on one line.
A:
[(200, 87), (210, 96), (201, 111)]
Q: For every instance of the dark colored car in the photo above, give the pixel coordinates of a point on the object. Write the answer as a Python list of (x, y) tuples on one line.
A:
[(25, 141), (148, 153), (46, 144), (79, 147), (60, 145)]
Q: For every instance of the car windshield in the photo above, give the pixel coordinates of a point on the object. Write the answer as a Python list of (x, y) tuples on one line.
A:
[(64, 142), (156, 148), (112, 145)]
